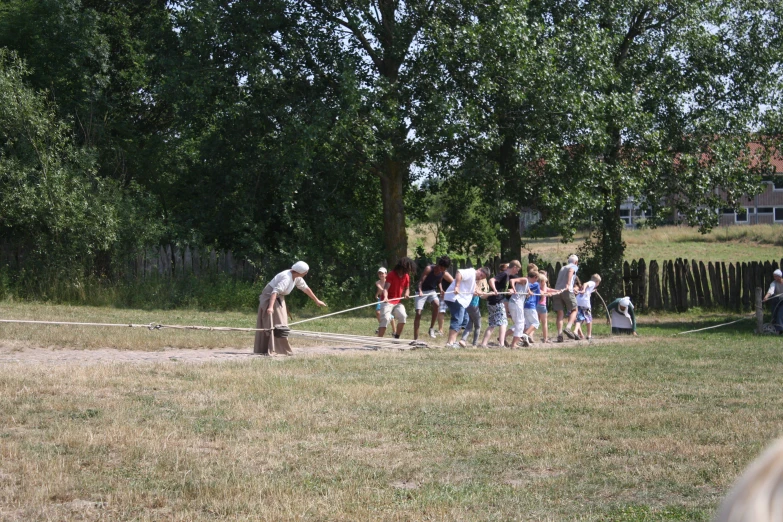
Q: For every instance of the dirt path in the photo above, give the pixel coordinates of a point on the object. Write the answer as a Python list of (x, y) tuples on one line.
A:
[(14, 352)]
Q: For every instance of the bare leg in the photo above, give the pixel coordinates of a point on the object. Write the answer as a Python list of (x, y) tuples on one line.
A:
[(559, 322), (542, 318), (381, 331), (487, 335), (435, 312), (416, 322), (571, 319), (529, 332), (400, 327)]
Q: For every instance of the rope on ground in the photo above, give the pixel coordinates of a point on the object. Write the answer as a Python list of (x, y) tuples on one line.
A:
[(716, 326)]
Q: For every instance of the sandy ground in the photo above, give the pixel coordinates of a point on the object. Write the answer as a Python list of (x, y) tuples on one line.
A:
[(14, 352)]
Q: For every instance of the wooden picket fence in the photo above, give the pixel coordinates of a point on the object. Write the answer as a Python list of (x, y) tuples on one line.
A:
[(673, 285), (676, 285), (173, 262)]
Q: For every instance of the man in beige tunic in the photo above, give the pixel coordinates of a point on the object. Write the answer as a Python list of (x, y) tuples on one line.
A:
[(272, 310)]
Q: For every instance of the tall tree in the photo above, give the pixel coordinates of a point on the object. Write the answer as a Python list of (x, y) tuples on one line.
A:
[(51, 201), (385, 41)]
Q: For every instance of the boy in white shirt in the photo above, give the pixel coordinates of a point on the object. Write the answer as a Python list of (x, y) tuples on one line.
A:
[(584, 312)]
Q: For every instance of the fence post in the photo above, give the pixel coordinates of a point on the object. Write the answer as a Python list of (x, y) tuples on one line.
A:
[(643, 302), (691, 284), (759, 312)]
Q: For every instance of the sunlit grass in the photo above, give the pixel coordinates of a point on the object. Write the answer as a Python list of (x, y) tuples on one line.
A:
[(654, 428)]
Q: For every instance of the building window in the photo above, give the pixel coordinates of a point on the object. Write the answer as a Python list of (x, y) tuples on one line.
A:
[(777, 183), (625, 212), (779, 215), (765, 210), (728, 211), (741, 217)]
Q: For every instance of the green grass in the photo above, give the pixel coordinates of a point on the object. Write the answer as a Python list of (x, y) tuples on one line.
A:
[(727, 244), (654, 428)]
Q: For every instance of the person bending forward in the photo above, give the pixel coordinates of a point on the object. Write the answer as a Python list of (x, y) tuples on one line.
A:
[(272, 310)]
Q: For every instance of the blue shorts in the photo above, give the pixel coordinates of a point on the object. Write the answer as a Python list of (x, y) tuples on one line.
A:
[(584, 315), (541, 309)]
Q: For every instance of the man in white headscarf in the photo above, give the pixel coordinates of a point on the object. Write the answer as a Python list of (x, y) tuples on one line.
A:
[(272, 310)]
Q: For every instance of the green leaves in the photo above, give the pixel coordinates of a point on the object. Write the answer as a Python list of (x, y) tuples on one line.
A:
[(51, 201)]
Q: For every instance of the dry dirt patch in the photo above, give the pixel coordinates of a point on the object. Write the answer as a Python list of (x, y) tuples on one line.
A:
[(30, 353)]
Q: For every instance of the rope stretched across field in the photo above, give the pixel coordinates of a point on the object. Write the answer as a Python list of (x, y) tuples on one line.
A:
[(397, 299), (328, 337), (750, 316)]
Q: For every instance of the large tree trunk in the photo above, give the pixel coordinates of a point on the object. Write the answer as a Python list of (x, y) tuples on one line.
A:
[(395, 238), (612, 247), (511, 244), (510, 241)]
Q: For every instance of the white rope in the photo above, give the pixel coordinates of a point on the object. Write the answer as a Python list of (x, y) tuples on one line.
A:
[(716, 326), (397, 299), (151, 326), (751, 316)]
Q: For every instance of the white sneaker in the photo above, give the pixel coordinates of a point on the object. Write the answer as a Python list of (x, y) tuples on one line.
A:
[(432, 333), (451, 345), (525, 341)]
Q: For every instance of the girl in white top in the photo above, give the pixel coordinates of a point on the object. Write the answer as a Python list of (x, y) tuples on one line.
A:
[(519, 292), (272, 311)]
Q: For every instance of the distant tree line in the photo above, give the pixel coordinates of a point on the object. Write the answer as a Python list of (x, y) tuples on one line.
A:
[(321, 130)]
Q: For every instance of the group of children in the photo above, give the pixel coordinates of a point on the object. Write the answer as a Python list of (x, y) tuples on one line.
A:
[(523, 299)]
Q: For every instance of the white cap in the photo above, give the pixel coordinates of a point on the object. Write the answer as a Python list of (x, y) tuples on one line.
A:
[(301, 267), (625, 302), (382, 269), (777, 273)]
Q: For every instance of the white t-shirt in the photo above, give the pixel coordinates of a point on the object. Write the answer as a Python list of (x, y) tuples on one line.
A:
[(583, 300), (283, 283), (466, 288), (521, 293)]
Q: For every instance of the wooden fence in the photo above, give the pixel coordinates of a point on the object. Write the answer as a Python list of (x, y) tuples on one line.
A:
[(679, 284), (175, 262), (671, 285), (164, 261)]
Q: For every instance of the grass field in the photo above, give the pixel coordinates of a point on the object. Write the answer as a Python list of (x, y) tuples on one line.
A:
[(728, 244), (654, 428)]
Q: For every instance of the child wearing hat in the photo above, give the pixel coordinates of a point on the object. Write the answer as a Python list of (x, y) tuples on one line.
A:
[(623, 317)]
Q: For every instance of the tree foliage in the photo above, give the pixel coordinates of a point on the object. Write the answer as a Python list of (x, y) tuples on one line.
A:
[(51, 199), (315, 128)]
